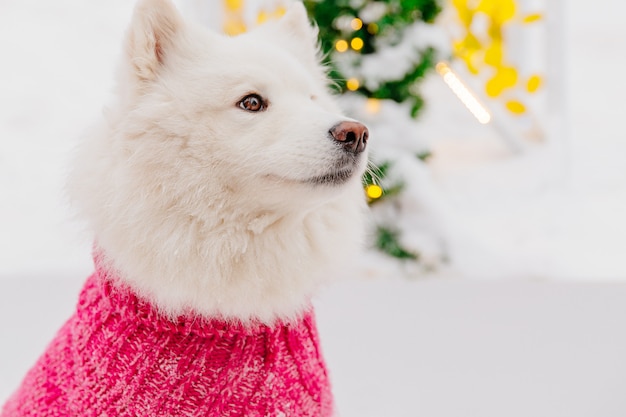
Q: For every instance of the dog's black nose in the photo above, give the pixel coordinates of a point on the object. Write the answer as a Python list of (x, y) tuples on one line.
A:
[(352, 136)]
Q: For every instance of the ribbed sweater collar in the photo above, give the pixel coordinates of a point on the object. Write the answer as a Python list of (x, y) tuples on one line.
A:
[(113, 296)]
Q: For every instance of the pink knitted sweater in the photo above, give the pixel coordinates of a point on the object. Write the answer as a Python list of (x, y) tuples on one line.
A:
[(116, 356)]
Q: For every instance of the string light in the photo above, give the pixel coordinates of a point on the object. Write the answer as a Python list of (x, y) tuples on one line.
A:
[(372, 28), (356, 23), (463, 93), (356, 44), (372, 105), (341, 45), (373, 191), (352, 84)]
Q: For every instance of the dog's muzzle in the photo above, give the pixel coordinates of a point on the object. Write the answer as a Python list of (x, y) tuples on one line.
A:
[(351, 137)]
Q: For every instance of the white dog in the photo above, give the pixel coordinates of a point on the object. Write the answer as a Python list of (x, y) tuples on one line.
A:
[(222, 188)]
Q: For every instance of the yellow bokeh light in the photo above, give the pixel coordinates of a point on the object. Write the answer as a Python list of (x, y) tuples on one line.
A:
[(533, 83), (471, 42), (494, 87), (485, 49), (499, 10), (516, 107), (494, 54), (356, 44), (506, 77), (261, 17), (280, 11), (264, 16), (372, 105), (356, 23), (509, 76), (233, 4), (464, 12), (341, 45), (372, 28), (352, 84), (532, 18), (374, 191), (233, 27)]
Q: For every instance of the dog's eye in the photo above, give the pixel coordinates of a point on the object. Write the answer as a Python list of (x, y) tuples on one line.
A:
[(252, 102)]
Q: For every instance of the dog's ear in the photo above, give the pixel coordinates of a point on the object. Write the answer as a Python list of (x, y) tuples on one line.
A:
[(294, 32), (150, 37)]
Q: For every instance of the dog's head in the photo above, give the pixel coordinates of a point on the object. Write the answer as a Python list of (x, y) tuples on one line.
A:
[(257, 105), (225, 178)]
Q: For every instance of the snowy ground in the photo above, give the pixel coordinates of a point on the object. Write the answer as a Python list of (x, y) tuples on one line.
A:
[(397, 347)]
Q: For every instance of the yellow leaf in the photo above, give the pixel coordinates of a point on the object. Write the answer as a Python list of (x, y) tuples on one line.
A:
[(470, 61), (503, 11), (494, 87), (261, 17), (508, 76), (280, 12), (233, 4), (233, 27), (531, 18), (471, 42), (487, 6), (458, 47), (533, 83), (505, 77), (493, 54), (515, 107), (465, 14)]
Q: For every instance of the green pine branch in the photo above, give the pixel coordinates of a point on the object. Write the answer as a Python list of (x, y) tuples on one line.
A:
[(389, 27), (387, 241)]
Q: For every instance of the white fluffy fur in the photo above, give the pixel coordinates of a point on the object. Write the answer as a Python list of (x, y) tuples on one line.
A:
[(200, 206)]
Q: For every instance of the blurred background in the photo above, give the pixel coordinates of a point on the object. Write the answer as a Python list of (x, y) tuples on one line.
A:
[(494, 283)]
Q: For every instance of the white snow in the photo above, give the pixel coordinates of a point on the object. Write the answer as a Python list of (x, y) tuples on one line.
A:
[(396, 346)]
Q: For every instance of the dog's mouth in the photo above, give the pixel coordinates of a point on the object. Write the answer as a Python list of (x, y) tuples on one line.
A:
[(344, 169), (332, 178)]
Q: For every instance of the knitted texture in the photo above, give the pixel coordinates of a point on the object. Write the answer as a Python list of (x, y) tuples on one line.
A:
[(116, 356)]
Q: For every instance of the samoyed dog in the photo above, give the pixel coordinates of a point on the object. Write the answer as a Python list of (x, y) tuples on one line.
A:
[(222, 187)]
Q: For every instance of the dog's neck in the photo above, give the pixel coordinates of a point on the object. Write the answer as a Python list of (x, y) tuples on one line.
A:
[(106, 285), (247, 266)]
